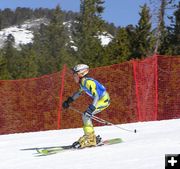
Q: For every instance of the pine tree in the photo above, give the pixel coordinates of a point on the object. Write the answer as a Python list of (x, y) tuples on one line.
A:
[(132, 37), (144, 37), (175, 37), (50, 44), (25, 63), (40, 45), (4, 73), (9, 53), (7, 17), (90, 50), (119, 49), (56, 37)]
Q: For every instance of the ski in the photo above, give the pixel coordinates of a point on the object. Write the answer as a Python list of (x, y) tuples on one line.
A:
[(54, 150)]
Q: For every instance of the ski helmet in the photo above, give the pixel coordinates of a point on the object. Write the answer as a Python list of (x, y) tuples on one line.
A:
[(81, 70)]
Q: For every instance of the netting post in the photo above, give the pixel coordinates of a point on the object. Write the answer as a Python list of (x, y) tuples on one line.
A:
[(61, 96), (156, 87), (137, 90)]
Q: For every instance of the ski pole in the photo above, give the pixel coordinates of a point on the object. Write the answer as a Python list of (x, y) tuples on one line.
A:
[(100, 120), (109, 123), (93, 117)]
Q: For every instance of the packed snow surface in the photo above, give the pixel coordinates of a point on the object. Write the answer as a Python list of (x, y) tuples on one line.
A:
[(145, 149)]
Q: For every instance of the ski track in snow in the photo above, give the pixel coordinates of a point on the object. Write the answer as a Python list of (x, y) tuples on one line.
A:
[(145, 149)]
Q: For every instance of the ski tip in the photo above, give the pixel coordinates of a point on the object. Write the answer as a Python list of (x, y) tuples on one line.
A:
[(113, 141)]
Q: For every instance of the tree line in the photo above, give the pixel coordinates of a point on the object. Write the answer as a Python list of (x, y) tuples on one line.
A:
[(52, 47)]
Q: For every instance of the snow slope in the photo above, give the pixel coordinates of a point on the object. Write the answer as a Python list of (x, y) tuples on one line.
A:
[(144, 150), (23, 34)]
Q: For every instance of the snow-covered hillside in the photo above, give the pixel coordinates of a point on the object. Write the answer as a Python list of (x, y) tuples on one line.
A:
[(144, 150), (23, 34)]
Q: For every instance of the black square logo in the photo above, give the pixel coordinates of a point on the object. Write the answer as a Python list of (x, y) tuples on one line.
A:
[(172, 161)]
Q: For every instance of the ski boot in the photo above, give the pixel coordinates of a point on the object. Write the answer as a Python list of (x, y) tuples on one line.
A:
[(99, 140), (87, 141), (76, 145)]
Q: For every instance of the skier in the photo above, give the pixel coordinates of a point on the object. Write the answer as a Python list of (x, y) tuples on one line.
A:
[(101, 101)]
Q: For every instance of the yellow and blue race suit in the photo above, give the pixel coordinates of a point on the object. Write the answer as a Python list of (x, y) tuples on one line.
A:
[(100, 96)]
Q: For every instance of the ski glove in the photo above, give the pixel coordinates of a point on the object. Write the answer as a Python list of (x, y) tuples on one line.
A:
[(67, 102), (90, 110)]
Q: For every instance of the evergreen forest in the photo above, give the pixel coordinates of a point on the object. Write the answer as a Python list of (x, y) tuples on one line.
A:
[(51, 47)]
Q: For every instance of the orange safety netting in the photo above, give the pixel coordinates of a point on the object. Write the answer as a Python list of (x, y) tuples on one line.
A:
[(29, 105), (145, 76), (168, 88), (140, 90)]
